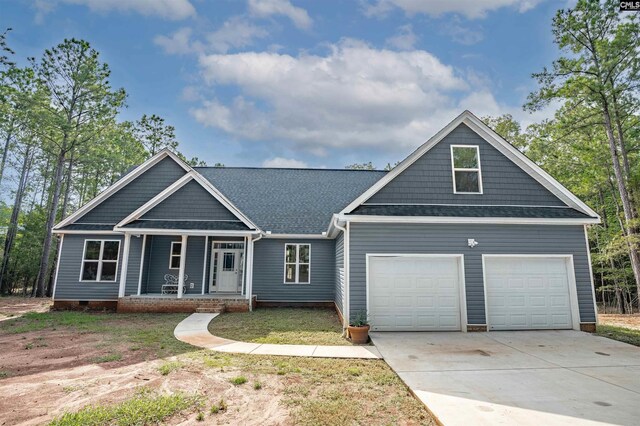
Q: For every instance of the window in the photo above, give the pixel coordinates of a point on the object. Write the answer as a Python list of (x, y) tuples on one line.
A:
[(100, 260), (465, 162), (174, 255), (297, 259)]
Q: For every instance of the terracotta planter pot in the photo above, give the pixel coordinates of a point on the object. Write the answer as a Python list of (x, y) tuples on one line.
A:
[(359, 335)]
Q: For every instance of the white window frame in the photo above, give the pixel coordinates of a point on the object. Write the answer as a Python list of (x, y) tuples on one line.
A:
[(100, 262), (297, 263), (477, 169), (171, 255)]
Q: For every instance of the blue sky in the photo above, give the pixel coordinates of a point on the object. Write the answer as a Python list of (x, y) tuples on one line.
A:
[(298, 83)]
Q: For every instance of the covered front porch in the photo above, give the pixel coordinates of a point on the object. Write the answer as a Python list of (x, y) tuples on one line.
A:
[(186, 272)]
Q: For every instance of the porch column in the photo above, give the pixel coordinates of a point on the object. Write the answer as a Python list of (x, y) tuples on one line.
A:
[(142, 255), (125, 264), (249, 268), (183, 259)]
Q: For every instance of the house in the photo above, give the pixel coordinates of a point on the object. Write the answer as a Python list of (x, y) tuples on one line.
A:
[(465, 234)]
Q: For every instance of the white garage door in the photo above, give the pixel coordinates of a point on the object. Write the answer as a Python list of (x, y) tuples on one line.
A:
[(414, 293), (527, 293)]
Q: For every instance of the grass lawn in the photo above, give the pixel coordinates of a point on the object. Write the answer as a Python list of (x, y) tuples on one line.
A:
[(626, 335), (296, 326)]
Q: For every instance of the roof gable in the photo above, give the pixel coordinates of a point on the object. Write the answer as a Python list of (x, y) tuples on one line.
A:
[(429, 179), (130, 192), (193, 202), (494, 140), (189, 198)]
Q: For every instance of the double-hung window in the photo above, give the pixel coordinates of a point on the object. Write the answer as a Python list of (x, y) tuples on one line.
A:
[(100, 260), (174, 255), (465, 164), (297, 263)]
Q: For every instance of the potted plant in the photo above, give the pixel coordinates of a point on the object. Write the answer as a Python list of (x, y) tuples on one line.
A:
[(359, 328)]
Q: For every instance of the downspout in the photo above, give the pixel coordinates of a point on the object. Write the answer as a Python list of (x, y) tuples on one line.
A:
[(345, 258), (250, 275)]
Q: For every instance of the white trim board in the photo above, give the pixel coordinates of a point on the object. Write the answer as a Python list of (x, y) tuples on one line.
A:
[(124, 181), (462, 292), (495, 140), (466, 220), (177, 185)]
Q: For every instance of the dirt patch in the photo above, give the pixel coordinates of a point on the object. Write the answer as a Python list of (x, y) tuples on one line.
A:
[(47, 350), (41, 397), (15, 306), (631, 321)]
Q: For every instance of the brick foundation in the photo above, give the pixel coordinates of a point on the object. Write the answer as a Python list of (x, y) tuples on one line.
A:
[(79, 305), (186, 305), (472, 328), (589, 327), (279, 304)]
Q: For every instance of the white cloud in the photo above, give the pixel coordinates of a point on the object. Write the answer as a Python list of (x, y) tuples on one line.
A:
[(404, 39), (290, 163), (355, 96), (267, 8), (472, 9), (463, 33), (168, 9), (179, 42), (235, 32)]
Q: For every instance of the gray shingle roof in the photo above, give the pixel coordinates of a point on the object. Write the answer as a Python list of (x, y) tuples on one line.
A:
[(470, 211), (207, 225), (291, 201), (88, 227)]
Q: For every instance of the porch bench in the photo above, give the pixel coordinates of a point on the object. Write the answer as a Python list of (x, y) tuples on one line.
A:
[(172, 289), (170, 285)]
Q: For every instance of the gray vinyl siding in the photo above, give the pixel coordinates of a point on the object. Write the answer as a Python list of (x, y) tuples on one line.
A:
[(68, 285), (430, 181), (268, 271), (158, 262), (133, 267), (492, 239), (191, 201), (339, 265), (145, 266), (135, 194)]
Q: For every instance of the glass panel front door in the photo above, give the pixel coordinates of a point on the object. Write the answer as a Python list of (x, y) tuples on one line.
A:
[(226, 267)]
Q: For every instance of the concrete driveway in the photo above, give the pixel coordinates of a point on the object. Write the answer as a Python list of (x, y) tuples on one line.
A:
[(523, 377)]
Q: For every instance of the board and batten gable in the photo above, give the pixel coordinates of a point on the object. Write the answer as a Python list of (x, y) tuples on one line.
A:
[(452, 239), (68, 285), (191, 201), (268, 271), (429, 180), (133, 195)]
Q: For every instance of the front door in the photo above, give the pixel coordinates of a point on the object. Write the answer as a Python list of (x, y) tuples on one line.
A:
[(226, 269)]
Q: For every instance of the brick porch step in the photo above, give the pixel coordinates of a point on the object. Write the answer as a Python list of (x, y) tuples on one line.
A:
[(216, 309)]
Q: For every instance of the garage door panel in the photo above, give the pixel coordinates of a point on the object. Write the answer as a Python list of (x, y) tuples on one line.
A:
[(421, 293), (537, 296)]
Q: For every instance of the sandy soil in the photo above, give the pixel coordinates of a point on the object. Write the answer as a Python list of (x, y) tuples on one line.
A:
[(628, 321), (40, 397), (14, 306)]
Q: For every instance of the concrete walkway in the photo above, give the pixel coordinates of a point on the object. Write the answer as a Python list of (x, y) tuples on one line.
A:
[(194, 330)]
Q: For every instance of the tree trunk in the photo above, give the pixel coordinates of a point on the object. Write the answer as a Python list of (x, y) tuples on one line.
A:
[(627, 208), (623, 152), (13, 223), (43, 272), (5, 151)]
